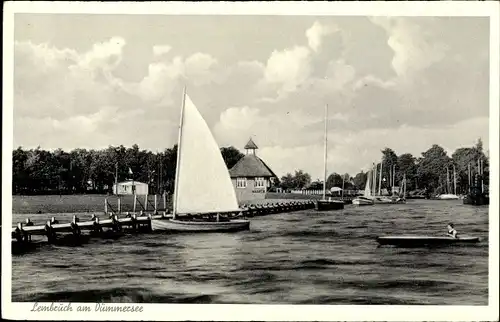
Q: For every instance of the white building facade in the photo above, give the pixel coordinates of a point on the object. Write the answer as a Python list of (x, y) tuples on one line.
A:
[(131, 187)]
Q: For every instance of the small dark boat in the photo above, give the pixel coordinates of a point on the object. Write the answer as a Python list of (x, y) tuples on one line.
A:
[(325, 205), (422, 241)]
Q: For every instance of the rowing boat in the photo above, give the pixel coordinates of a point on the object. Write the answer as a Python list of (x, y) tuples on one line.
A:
[(416, 241)]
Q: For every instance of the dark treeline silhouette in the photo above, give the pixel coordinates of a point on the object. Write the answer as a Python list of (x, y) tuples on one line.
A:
[(37, 171), (427, 173)]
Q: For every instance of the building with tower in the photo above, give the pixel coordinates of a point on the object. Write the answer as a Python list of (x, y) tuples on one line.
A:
[(251, 176)]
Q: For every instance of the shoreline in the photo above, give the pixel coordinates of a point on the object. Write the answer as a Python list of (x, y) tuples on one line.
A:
[(94, 203)]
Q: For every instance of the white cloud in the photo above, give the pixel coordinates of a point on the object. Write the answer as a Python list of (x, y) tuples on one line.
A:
[(200, 68), (316, 33), (288, 68), (159, 50), (160, 80), (106, 55), (413, 48)]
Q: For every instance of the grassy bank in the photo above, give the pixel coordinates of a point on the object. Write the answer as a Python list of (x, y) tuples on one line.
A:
[(76, 203), (95, 203)]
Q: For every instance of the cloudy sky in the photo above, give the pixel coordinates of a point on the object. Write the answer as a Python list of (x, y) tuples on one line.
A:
[(91, 81)]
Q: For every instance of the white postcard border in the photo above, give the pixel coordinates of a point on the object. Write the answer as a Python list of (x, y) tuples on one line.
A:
[(172, 312)]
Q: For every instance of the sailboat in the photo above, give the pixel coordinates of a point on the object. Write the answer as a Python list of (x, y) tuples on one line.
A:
[(324, 204), (374, 197), (377, 197), (366, 199), (204, 197), (448, 195)]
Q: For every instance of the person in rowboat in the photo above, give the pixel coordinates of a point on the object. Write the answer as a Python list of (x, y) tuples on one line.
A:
[(451, 231)]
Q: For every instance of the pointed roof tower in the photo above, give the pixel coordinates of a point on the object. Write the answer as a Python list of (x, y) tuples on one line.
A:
[(251, 165), (251, 146)]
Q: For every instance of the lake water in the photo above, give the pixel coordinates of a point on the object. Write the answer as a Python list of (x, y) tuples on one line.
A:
[(303, 257)]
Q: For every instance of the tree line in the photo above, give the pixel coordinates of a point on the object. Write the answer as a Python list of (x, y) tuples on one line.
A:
[(37, 171), (432, 172)]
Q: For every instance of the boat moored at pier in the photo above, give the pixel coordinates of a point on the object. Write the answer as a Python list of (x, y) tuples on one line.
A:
[(202, 182)]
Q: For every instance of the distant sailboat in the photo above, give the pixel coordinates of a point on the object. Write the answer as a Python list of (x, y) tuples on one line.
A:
[(204, 197), (371, 194), (366, 199), (449, 195), (324, 204)]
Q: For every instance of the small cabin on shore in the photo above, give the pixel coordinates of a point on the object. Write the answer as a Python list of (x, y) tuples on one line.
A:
[(251, 176), (131, 187)]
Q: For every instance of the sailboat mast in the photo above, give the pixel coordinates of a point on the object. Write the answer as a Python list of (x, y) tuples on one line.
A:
[(478, 171), (326, 152), (176, 189), (447, 180), (482, 181), (454, 181), (469, 175), (393, 176), (343, 181), (380, 179), (374, 179), (404, 187)]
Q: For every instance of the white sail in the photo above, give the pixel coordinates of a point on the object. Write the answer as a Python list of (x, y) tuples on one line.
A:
[(202, 183), (368, 192)]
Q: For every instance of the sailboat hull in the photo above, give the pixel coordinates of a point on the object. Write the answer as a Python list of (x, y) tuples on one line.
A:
[(448, 197), (174, 225), (362, 201), (388, 200)]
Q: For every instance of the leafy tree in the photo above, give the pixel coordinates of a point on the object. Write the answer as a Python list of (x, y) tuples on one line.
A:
[(334, 180), (231, 156), (301, 179), (432, 169), (406, 167), (360, 180), (287, 181)]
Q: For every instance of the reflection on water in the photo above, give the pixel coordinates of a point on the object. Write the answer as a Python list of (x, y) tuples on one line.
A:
[(302, 257)]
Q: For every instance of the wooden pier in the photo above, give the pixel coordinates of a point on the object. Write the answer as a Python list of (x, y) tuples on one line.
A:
[(114, 225)]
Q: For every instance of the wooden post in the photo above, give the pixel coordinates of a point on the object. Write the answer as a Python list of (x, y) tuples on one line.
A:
[(119, 205), (146, 202), (156, 209), (106, 206), (135, 203)]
